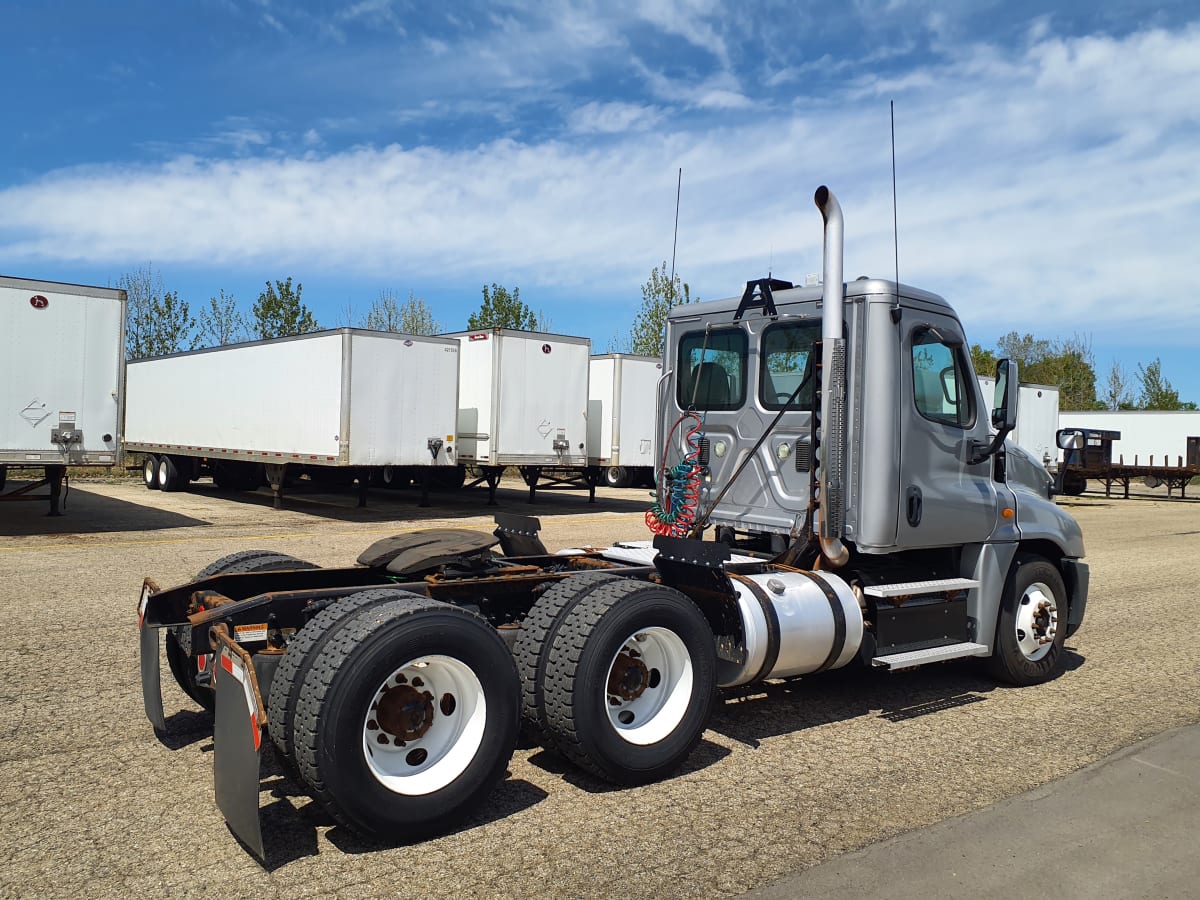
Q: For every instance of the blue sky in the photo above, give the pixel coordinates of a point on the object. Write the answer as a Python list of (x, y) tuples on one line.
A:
[(1047, 155)]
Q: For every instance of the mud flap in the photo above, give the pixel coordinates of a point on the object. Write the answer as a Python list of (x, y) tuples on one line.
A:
[(237, 742), (148, 649)]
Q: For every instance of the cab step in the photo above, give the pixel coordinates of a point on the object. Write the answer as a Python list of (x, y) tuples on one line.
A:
[(914, 658), (920, 588)]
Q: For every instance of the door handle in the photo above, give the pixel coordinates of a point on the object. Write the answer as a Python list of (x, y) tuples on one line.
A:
[(912, 505)]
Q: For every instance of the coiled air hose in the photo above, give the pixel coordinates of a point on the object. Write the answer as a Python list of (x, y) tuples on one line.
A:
[(678, 496)]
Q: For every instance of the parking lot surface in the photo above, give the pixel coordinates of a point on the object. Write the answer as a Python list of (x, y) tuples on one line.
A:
[(91, 801)]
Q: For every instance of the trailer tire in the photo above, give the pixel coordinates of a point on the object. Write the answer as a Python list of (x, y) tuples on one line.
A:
[(302, 651), (150, 471), (179, 638), (455, 749), (618, 477), (535, 639), (168, 474), (447, 478), (629, 714), (1074, 484), (1033, 608)]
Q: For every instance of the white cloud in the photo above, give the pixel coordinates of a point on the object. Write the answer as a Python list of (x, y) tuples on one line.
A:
[(1049, 187), (612, 118)]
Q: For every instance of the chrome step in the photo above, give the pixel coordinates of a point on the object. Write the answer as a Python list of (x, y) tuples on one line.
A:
[(915, 658), (920, 588)]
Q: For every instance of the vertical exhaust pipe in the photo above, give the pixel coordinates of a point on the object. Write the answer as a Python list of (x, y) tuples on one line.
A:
[(833, 384)]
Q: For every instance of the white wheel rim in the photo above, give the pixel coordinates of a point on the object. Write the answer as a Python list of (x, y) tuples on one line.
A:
[(442, 704), (149, 471), (162, 473), (1036, 622), (649, 686)]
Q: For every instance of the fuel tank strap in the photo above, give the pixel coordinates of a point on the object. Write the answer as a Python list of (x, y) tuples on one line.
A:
[(839, 619), (772, 619)]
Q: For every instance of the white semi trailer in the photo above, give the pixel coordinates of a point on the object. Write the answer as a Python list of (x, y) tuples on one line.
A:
[(1037, 419), (62, 350), (340, 404), (877, 517), (522, 402), (622, 391)]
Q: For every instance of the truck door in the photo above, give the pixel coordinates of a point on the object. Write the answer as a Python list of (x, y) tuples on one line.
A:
[(943, 500)]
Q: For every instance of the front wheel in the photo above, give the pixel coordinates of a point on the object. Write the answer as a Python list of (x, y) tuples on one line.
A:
[(407, 718), (1032, 625), (630, 681)]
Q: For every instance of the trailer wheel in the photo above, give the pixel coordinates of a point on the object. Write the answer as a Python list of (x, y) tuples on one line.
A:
[(1032, 625), (302, 651), (168, 474), (184, 667), (407, 718), (150, 471), (532, 647), (618, 477), (1074, 484), (630, 681)]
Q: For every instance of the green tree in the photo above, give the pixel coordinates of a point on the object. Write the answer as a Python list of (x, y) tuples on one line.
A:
[(1117, 394), (501, 309), (157, 321), (278, 311), (221, 323), (1156, 390), (1065, 364), (983, 361), (412, 317), (659, 294)]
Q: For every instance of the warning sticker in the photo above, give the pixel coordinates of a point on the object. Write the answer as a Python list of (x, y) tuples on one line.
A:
[(249, 633)]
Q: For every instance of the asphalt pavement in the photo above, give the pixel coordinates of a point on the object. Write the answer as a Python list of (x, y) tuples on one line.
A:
[(1127, 826)]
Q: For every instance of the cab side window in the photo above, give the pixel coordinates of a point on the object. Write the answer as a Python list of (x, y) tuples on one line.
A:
[(941, 389), (712, 370)]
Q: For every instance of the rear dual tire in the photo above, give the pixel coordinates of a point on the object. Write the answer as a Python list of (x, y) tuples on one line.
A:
[(628, 681), (407, 718), (183, 663)]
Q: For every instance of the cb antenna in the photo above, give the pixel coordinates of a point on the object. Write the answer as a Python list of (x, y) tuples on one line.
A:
[(675, 239), (895, 219)]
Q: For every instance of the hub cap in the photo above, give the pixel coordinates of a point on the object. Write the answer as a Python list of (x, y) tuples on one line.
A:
[(649, 686), (1036, 621), (424, 725)]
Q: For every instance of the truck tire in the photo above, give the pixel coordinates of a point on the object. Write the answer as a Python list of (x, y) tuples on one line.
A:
[(452, 698), (532, 647), (630, 681), (1032, 624), (179, 638), (302, 651), (168, 474), (150, 471), (618, 477)]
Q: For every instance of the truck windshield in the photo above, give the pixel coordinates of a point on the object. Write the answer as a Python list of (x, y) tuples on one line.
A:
[(788, 363), (712, 369)]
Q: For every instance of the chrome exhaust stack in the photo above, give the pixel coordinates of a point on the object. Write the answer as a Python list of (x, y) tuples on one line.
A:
[(832, 457)]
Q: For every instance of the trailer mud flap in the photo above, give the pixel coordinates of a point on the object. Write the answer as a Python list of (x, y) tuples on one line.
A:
[(237, 741), (148, 644)]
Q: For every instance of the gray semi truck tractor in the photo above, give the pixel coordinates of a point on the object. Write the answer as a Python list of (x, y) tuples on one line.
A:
[(832, 493)]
